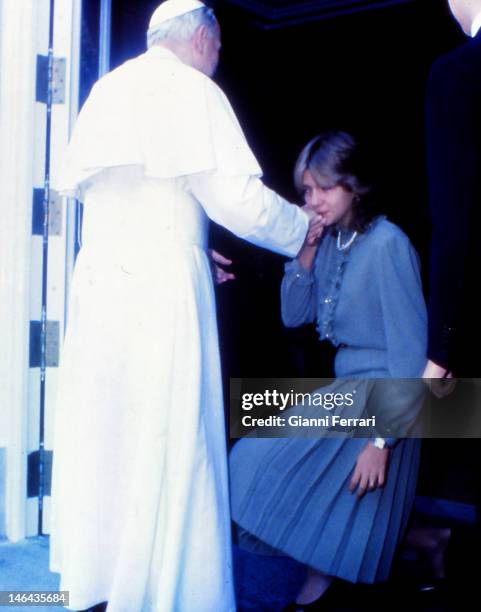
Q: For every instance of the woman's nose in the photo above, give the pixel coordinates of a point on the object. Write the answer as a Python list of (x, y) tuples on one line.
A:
[(317, 199)]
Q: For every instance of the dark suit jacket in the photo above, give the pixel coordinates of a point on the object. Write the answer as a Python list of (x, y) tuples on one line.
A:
[(454, 169)]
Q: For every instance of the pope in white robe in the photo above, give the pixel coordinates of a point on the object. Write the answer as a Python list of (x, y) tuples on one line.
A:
[(140, 492)]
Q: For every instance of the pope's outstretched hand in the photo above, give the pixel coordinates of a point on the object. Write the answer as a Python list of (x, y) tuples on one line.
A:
[(218, 260)]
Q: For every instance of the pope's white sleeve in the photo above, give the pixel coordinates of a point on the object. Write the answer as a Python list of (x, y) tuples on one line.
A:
[(249, 209)]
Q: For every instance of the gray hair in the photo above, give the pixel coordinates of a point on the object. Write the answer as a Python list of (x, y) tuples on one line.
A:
[(182, 28)]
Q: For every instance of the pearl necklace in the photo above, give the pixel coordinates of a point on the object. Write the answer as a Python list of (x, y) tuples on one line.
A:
[(343, 247)]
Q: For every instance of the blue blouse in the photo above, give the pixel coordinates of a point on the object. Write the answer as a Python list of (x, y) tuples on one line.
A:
[(366, 299)]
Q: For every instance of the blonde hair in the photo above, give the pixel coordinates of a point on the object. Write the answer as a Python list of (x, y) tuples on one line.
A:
[(333, 158)]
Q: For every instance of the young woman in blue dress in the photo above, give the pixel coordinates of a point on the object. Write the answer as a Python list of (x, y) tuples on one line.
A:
[(340, 505)]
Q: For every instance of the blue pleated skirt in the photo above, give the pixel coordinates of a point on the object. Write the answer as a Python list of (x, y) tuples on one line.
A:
[(291, 496)]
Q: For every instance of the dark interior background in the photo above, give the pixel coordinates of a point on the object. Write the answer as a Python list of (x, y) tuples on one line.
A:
[(362, 71)]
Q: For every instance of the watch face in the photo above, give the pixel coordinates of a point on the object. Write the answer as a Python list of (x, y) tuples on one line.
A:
[(379, 443)]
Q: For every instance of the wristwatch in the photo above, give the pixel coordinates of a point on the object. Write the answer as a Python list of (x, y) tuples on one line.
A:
[(379, 443)]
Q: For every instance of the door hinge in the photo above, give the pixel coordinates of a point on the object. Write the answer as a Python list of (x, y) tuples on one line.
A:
[(54, 212), (56, 83), (39, 474), (52, 344)]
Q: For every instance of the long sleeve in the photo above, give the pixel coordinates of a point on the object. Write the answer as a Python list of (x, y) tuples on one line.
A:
[(452, 167), (396, 401), (297, 291), (396, 404), (249, 209), (403, 307)]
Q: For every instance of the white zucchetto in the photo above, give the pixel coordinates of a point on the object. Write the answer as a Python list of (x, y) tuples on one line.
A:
[(171, 9)]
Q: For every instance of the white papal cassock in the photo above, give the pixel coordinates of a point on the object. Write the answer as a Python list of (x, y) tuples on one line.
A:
[(140, 503)]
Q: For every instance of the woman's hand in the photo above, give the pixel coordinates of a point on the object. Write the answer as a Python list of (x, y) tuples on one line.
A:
[(316, 226), (370, 470), (308, 251), (220, 275)]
